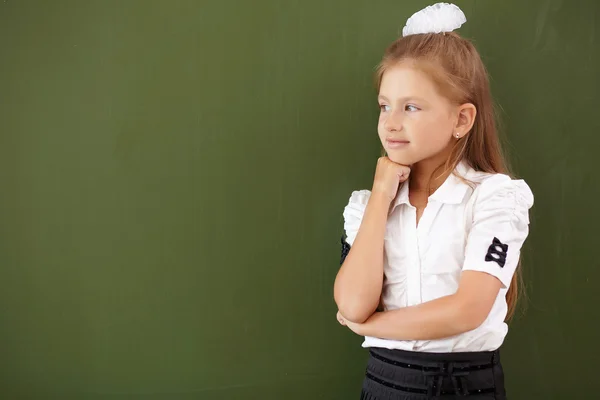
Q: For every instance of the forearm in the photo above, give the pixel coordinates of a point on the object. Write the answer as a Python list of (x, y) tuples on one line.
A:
[(358, 284), (436, 319)]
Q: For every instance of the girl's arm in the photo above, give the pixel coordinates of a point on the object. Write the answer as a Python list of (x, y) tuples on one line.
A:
[(358, 284), (441, 318)]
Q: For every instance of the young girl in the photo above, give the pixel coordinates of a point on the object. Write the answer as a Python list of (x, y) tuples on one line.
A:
[(429, 262)]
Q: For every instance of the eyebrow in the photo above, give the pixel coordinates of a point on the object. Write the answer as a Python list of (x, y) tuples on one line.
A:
[(402, 99)]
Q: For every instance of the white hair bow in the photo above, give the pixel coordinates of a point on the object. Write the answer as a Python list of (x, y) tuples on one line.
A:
[(437, 18)]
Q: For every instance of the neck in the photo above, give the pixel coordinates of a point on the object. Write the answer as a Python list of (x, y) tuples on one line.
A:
[(428, 175)]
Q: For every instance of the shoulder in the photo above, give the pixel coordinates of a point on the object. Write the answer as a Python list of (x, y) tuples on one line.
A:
[(495, 185), (499, 193), (359, 197), (357, 203), (354, 211)]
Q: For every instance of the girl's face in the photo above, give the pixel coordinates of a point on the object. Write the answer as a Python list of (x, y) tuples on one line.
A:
[(416, 122)]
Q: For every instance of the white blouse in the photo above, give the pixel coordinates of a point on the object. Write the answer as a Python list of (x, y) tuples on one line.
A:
[(479, 226)]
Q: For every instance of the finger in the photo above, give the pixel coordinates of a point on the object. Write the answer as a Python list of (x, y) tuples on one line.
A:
[(403, 173)]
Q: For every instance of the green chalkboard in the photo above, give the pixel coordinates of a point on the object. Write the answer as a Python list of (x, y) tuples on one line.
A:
[(173, 175)]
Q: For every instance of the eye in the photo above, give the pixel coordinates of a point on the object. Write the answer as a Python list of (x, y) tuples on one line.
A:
[(384, 107), (411, 108)]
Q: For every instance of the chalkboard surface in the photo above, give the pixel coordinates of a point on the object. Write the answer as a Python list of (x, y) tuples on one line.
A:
[(173, 175)]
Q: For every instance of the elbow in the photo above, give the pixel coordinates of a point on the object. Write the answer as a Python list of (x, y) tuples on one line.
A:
[(470, 323), (355, 307), (471, 315), (355, 315), (354, 310)]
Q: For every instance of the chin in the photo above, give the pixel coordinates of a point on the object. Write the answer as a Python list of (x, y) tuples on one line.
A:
[(401, 159)]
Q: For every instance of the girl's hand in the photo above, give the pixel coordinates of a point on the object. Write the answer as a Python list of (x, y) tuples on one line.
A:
[(340, 319), (354, 327), (388, 177)]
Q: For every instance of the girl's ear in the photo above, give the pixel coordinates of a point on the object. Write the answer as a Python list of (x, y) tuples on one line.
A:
[(466, 118)]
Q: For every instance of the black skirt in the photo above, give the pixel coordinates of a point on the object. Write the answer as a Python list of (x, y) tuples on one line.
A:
[(408, 375)]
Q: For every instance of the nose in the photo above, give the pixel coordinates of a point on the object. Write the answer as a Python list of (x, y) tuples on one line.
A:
[(393, 122)]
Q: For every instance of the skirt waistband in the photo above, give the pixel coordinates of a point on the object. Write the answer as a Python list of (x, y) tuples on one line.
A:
[(421, 360)]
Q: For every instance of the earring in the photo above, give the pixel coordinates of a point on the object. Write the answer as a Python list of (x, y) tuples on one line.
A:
[(457, 135)]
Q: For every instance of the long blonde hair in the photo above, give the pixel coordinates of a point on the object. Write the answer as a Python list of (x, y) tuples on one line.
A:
[(455, 66)]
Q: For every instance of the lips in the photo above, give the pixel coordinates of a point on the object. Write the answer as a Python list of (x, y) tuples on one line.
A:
[(396, 143)]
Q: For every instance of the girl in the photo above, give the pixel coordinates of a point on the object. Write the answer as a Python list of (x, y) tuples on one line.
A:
[(429, 262)]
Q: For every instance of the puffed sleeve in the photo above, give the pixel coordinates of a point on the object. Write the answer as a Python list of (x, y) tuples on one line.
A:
[(353, 214), (500, 227)]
